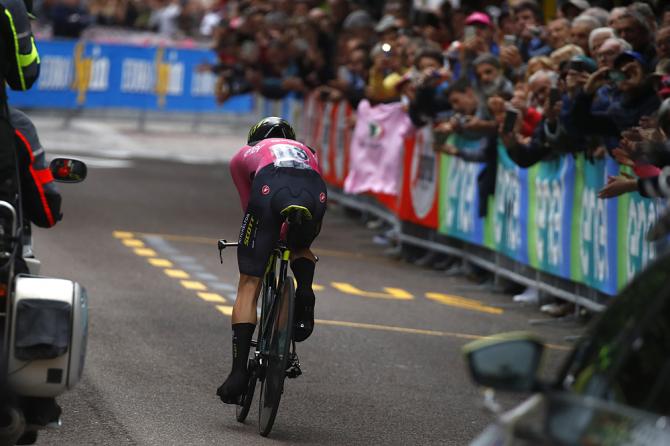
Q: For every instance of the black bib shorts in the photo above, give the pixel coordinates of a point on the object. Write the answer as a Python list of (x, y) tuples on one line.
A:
[(273, 190)]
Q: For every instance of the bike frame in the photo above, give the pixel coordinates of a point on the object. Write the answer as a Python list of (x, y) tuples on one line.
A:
[(272, 282)]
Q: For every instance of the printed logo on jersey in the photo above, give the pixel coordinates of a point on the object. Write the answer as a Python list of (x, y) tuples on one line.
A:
[(247, 229), (322, 197), (287, 152), (265, 190)]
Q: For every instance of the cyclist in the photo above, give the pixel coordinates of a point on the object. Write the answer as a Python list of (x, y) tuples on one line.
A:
[(273, 173)]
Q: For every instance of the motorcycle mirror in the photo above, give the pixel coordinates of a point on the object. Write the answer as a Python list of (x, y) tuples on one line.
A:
[(66, 170)]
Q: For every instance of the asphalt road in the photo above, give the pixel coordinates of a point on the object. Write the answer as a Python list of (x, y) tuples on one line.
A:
[(384, 365)]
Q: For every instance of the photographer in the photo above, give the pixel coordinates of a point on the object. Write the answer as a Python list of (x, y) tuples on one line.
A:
[(633, 97)]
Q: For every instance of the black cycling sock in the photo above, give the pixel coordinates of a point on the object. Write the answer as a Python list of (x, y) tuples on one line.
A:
[(236, 383), (303, 269), (242, 334)]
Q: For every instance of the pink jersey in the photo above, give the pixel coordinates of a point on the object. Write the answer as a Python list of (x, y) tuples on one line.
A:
[(278, 151)]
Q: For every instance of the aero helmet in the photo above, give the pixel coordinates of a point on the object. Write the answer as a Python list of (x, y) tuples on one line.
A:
[(270, 127)]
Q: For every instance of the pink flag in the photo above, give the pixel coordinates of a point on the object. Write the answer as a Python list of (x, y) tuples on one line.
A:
[(377, 149)]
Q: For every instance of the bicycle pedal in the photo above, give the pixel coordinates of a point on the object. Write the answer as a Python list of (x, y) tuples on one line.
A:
[(293, 370)]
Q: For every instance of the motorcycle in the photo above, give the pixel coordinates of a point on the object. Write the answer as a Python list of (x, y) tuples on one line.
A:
[(43, 322)]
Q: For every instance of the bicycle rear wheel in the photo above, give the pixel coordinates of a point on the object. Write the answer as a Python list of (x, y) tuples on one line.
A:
[(280, 335), (241, 411)]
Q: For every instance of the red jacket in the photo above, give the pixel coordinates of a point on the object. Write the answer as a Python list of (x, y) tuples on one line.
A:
[(40, 199)]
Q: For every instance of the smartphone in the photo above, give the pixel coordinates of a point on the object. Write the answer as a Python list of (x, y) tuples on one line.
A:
[(616, 76), (554, 95), (511, 116), (470, 32), (509, 39)]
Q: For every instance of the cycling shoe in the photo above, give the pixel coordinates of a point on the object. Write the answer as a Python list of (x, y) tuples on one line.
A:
[(304, 317), (232, 390)]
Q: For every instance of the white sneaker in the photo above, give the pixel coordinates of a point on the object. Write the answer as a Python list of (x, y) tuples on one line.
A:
[(530, 296)]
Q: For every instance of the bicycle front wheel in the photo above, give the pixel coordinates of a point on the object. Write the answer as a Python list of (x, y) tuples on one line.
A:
[(279, 335)]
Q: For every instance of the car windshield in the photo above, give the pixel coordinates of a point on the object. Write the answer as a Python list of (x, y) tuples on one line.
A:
[(626, 357)]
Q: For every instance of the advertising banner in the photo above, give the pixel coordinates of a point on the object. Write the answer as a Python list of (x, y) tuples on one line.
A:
[(509, 216), (377, 149), (550, 209), (91, 75), (341, 142), (421, 175), (550, 218), (459, 193)]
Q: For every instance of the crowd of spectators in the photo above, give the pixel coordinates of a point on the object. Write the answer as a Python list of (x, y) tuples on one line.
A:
[(174, 19), (593, 78)]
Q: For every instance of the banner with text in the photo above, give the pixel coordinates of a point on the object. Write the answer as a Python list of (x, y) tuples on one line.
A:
[(79, 74), (550, 218)]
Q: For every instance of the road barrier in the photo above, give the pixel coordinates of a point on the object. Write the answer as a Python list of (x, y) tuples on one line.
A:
[(544, 226)]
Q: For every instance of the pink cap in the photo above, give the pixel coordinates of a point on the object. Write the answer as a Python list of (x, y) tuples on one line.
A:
[(478, 17)]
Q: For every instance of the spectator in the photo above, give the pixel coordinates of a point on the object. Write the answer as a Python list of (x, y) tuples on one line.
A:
[(634, 29), (164, 17), (609, 50), (597, 38), (558, 33), (69, 19), (635, 97), (490, 78), (539, 85), (581, 29), (528, 19), (572, 8)]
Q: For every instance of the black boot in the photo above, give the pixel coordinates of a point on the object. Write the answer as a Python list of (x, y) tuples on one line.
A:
[(303, 325), (236, 383)]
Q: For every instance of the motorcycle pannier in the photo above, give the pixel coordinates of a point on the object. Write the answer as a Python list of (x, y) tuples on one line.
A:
[(48, 336)]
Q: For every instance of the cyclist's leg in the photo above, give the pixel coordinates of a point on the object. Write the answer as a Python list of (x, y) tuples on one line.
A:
[(259, 232), (303, 260)]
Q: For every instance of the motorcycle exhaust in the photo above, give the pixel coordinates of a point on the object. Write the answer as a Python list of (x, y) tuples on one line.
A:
[(12, 425)]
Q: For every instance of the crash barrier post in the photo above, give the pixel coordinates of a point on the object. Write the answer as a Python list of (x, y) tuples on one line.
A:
[(544, 226)]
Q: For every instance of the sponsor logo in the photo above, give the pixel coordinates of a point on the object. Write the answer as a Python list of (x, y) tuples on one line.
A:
[(248, 231), (322, 197), (375, 130), (265, 190)]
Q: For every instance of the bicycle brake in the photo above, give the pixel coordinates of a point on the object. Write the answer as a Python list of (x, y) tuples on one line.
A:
[(293, 370)]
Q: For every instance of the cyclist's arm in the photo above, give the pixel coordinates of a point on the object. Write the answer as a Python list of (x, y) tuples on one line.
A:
[(22, 64)]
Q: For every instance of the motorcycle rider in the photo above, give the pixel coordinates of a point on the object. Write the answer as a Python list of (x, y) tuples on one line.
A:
[(20, 69)]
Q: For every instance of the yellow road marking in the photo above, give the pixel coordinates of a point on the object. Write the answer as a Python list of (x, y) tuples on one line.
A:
[(417, 331), (133, 243), (391, 293), (228, 311), (176, 274), (212, 241), (145, 252), (211, 297), (162, 263), (461, 302), (122, 234), (192, 285)]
